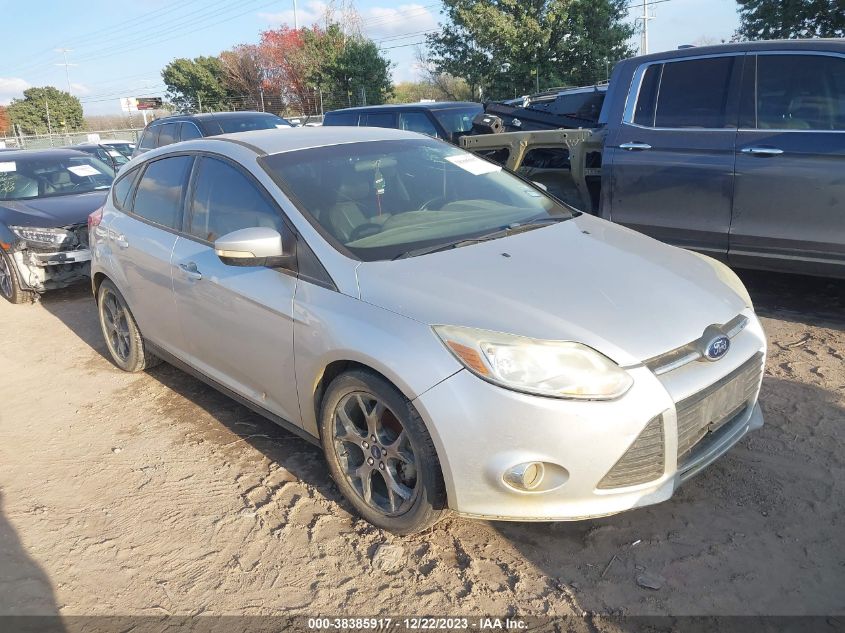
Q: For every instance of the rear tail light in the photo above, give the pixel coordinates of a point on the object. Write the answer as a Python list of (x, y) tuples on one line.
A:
[(95, 218)]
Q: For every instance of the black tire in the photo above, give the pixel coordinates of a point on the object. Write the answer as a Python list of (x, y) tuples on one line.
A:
[(10, 285), (123, 338), (418, 461)]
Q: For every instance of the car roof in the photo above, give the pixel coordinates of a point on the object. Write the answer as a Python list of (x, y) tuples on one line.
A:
[(41, 153), (424, 105), (209, 116), (291, 139), (834, 45)]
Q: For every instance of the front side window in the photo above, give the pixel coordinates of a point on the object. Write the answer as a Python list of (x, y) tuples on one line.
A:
[(161, 190), (800, 92), (226, 200), (48, 176), (416, 122), (381, 199), (188, 131), (457, 120), (693, 93), (246, 123)]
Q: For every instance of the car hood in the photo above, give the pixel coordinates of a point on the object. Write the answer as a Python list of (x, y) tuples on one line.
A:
[(585, 279), (51, 212)]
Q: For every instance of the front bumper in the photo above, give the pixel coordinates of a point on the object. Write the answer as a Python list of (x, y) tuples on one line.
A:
[(480, 430), (42, 271)]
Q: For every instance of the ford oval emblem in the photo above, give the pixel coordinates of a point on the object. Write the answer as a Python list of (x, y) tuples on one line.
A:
[(717, 347)]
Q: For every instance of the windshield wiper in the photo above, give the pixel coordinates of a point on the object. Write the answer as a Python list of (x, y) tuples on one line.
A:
[(510, 229)]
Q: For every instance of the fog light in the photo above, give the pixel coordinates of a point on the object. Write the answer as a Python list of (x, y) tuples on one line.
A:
[(527, 476)]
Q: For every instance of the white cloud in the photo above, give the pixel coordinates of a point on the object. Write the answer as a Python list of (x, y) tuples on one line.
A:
[(11, 88), (311, 13), (79, 90), (406, 18)]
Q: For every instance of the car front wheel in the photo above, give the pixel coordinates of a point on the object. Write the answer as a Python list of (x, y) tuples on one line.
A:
[(10, 286), (380, 454)]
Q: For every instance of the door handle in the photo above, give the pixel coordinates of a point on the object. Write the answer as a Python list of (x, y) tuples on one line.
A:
[(762, 151), (190, 270), (635, 147)]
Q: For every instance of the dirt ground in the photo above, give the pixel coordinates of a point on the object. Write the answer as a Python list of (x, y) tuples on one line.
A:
[(153, 494)]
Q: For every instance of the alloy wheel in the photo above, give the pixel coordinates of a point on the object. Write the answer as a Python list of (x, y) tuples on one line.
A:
[(5, 278), (375, 453), (116, 325)]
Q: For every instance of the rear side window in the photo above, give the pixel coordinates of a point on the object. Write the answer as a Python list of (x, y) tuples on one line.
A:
[(122, 187), (148, 140), (381, 119), (647, 99), (167, 134), (800, 92), (341, 118), (416, 122), (695, 93), (226, 200), (161, 191), (188, 131), (247, 123)]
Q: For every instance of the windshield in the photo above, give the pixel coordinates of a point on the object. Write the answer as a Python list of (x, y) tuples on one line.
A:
[(381, 199), (251, 122), (455, 120), (47, 176)]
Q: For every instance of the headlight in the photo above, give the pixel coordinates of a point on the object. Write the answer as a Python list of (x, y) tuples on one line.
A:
[(560, 369), (53, 237)]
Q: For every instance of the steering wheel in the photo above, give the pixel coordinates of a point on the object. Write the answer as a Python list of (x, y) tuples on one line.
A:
[(365, 230), (427, 204)]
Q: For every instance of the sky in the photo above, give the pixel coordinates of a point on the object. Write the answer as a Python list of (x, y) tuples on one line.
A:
[(117, 49)]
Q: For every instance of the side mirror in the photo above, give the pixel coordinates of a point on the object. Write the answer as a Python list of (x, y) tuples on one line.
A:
[(255, 246)]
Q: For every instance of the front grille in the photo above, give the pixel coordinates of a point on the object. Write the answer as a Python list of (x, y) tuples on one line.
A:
[(711, 408), (642, 462)]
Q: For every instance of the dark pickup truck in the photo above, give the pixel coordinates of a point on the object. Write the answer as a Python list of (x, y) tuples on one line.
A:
[(735, 151)]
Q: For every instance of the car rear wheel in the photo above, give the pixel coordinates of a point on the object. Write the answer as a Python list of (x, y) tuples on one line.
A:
[(10, 286), (123, 338), (380, 454)]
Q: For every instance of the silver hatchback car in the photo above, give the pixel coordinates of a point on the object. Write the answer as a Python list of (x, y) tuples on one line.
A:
[(452, 336)]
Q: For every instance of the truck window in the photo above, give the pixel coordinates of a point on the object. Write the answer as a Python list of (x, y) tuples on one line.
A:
[(381, 119), (800, 92), (416, 122), (644, 112), (694, 94), (341, 118)]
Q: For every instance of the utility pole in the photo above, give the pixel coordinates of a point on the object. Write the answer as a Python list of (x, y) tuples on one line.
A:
[(49, 124), (645, 18), (262, 98), (64, 52), (295, 19), (199, 98)]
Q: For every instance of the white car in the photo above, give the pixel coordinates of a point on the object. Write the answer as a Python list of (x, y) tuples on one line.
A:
[(451, 335)]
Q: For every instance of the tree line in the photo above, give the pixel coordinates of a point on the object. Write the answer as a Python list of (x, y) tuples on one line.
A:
[(486, 49)]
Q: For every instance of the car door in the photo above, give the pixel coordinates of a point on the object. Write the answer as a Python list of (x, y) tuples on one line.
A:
[(789, 205), (142, 240), (672, 157), (237, 321)]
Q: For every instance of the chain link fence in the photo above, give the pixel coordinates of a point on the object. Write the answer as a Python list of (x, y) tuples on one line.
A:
[(46, 141)]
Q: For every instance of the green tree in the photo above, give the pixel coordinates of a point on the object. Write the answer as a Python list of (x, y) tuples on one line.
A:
[(504, 48), (788, 19), (194, 84), (359, 72), (31, 111)]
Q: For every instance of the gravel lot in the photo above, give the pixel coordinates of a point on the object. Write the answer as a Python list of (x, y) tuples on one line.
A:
[(153, 494)]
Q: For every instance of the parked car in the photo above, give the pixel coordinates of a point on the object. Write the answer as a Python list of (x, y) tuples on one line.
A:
[(45, 199), (448, 120), (106, 154), (173, 129), (451, 335), (735, 151), (124, 147)]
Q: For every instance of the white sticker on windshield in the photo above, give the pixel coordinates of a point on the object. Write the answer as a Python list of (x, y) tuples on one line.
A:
[(83, 170), (473, 164), (8, 166), (114, 153)]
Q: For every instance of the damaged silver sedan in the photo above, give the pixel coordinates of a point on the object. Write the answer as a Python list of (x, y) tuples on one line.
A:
[(45, 199)]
